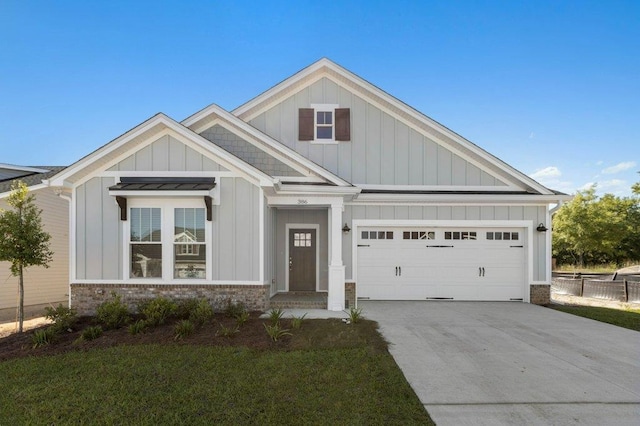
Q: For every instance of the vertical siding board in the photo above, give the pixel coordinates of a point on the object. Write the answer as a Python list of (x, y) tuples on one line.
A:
[(459, 213), (387, 212), (93, 226), (331, 92), (486, 179), (373, 145), (401, 212), (359, 143), (208, 165), (272, 122), (127, 164), (193, 160), (177, 153), (331, 157), (473, 175), (402, 154), (501, 213), (215, 243), (316, 92), (81, 232), (144, 160), (347, 254), (302, 100), (416, 158), (516, 213), (487, 213), (388, 147), (372, 212), (444, 213), (459, 171), (288, 126), (255, 232), (160, 154), (473, 213), (112, 250), (243, 230), (444, 166), (226, 229), (430, 213), (430, 162), (415, 213)]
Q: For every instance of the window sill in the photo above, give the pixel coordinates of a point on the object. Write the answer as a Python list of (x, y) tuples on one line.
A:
[(324, 142)]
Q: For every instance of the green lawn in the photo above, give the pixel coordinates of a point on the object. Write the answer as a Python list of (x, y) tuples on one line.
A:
[(340, 378), (628, 319)]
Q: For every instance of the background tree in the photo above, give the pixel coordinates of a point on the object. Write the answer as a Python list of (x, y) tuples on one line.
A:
[(23, 242), (596, 230)]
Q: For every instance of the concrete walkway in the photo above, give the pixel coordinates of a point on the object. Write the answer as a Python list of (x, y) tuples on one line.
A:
[(485, 363)]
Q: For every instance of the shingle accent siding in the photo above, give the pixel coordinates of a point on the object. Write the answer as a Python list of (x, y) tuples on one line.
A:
[(247, 152)]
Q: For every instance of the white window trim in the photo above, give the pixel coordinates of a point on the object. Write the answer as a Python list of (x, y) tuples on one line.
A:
[(324, 108), (167, 218)]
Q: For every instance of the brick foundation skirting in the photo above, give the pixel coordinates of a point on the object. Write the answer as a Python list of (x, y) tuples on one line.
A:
[(85, 298), (350, 295), (540, 294)]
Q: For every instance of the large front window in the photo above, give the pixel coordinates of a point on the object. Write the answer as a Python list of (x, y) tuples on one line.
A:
[(146, 243), (189, 260), (167, 243)]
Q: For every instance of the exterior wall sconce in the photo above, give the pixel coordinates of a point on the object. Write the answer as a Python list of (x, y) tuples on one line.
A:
[(541, 228), (346, 228)]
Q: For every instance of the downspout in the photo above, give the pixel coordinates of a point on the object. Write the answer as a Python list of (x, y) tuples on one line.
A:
[(59, 192)]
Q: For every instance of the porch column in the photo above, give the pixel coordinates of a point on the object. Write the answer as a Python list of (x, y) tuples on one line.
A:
[(335, 299)]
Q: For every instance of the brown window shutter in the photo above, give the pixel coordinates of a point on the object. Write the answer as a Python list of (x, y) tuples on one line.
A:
[(305, 124), (343, 124)]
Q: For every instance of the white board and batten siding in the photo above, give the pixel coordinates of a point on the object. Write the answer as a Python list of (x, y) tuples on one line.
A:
[(235, 236), (383, 150), (43, 286)]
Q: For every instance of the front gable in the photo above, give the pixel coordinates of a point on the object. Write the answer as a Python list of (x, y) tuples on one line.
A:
[(391, 146)]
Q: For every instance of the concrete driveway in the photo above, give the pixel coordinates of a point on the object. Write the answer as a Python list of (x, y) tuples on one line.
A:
[(491, 363)]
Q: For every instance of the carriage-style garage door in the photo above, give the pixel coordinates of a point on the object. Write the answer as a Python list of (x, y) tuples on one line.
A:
[(441, 263)]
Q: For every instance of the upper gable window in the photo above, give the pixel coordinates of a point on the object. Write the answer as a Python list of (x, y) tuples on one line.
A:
[(324, 123)]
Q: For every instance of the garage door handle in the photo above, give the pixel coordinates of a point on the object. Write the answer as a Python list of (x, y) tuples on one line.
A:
[(516, 246), (479, 271), (483, 271), (364, 245), (440, 246), (400, 270), (396, 271)]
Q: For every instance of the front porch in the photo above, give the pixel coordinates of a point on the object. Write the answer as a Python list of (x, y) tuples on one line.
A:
[(299, 300)]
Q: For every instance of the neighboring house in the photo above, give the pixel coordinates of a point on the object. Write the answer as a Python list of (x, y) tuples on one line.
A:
[(42, 286), (323, 184)]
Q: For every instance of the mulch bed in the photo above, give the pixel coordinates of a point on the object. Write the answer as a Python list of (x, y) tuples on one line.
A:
[(252, 335)]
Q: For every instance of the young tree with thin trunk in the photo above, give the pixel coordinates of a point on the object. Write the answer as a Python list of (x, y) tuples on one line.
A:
[(23, 242)]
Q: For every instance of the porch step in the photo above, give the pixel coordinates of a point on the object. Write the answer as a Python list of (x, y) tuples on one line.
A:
[(299, 300)]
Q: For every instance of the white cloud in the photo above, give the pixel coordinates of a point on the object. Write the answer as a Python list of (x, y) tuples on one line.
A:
[(616, 187), (599, 163), (546, 173), (620, 167)]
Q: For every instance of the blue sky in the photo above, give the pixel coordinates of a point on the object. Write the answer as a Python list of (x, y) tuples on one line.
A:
[(550, 87)]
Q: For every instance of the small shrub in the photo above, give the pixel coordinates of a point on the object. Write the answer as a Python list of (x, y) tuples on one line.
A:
[(185, 307), (157, 311), (275, 332), (63, 318), (296, 322), (355, 315), (201, 313), (137, 327), (113, 314), (275, 315), (184, 328), (242, 318), (91, 333), (227, 331), (234, 309), (43, 336)]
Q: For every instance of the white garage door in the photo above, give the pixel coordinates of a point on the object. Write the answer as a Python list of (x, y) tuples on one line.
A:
[(441, 263)]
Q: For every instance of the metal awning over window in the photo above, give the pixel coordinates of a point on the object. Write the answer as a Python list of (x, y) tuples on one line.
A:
[(163, 186)]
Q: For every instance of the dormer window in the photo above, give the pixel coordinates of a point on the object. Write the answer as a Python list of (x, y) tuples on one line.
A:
[(324, 123)]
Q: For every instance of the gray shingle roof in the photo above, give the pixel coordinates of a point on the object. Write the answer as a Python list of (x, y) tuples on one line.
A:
[(31, 179)]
